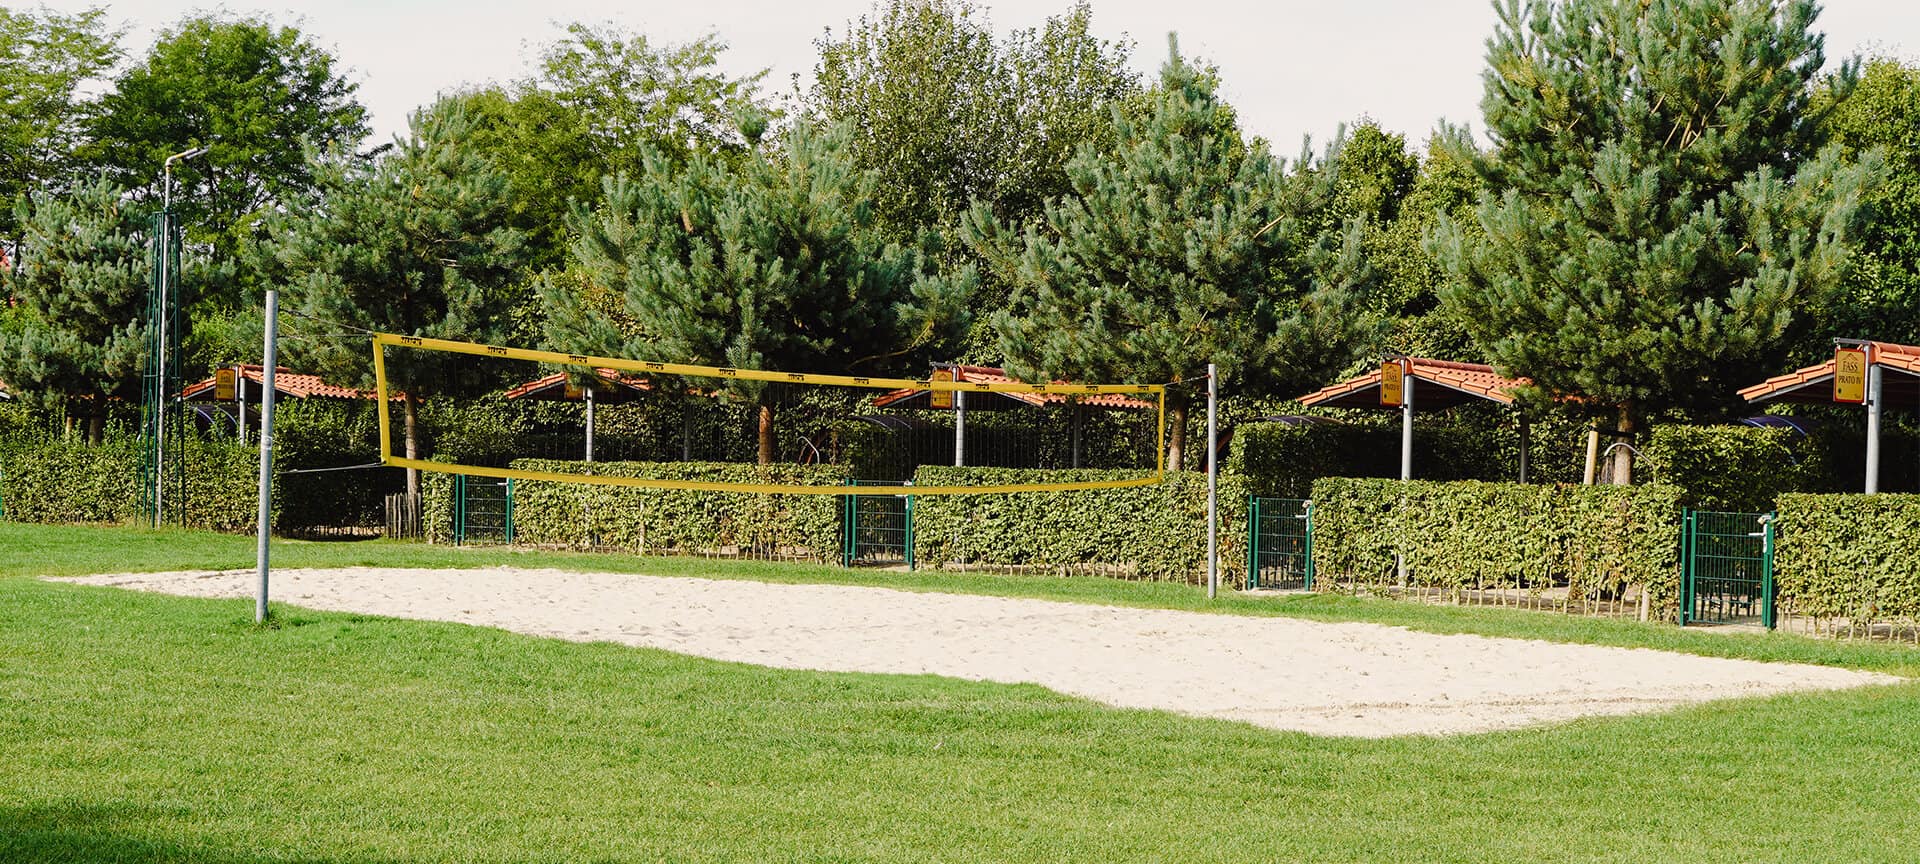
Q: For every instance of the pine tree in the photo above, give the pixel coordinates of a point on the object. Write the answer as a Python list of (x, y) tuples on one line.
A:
[(1180, 246), (417, 245), (1666, 204), (770, 263), (81, 284)]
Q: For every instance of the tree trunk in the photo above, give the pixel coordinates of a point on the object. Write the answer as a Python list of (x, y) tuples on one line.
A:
[(1593, 451), (766, 433), (96, 423), (410, 409), (1623, 455), (1176, 436)]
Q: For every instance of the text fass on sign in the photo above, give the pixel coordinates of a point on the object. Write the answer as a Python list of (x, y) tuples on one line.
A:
[(1393, 382), (942, 398), (1850, 375), (223, 384)]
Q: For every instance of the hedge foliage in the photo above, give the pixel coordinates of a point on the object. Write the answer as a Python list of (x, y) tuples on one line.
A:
[(1148, 532), (1848, 556), (1738, 468), (64, 480), (1595, 541), (665, 521), (1282, 460)]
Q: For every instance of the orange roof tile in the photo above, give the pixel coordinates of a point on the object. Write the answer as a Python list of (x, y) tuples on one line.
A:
[(997, 375), (1804, 385), (554, 387), (285, 382), (1463, 381)]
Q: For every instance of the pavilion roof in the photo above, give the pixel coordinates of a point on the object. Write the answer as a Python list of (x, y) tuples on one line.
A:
[(1814, 384), (614, 388), (912, 398), (286, 382), (1459, 383)]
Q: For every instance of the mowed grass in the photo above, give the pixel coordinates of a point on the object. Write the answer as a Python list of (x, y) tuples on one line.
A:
[(138, 727)]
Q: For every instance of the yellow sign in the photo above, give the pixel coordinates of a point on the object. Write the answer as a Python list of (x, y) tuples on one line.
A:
[(222, 384), (1850, 375), (1393, 383), (942, 399)]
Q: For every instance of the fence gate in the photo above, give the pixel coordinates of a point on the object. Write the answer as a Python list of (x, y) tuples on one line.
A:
[(1279, 543), (1726, 562), (877, 528), (482, 510)]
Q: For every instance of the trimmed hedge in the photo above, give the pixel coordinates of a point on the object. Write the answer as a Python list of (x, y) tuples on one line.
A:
[(1739, 468), (1149, 532), (664, 521), (66, 480), (1848, 556), (1596, 541)]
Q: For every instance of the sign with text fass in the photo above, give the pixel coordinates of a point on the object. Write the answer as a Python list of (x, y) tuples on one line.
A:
[(223, 384), (1850, 375), (941, 398), (1393, 382)]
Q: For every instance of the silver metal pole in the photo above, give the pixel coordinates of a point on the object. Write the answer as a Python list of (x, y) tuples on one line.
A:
[(1874, 390), (589, 423), (1213, 483), (1406, 427), (266, 454), (959, 425)]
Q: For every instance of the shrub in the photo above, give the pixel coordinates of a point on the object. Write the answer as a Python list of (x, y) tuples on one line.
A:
[(1595, 541), (1147, 532), (664, 521), (66, 480), (1848, 556), (1739, 468)]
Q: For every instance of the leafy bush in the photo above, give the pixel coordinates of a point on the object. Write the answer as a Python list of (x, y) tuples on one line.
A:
[(1739, 468), (1149, 532), (1848, 556), (1595, 541), (65, 480), (664, 521)]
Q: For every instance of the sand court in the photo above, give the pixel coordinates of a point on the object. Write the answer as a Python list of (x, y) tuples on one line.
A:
[(1345, 679)]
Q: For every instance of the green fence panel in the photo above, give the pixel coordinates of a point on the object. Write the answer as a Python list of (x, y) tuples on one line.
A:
[(1727, 568), (877, 528), (1279, 543), (482, 510)]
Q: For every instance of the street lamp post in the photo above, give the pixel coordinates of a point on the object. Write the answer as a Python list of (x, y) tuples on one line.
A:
[(164, 314)]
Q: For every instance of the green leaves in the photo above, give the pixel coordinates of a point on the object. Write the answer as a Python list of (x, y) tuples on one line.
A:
[(1667, 207), (1592, 541), (256, 95), (1179, 246), (45, 59), (771, 263), (1849, 557)]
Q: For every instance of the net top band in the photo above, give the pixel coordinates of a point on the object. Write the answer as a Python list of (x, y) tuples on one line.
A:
[(724, 372)]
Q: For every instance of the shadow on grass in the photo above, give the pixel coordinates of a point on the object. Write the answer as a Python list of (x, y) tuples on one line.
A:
[(77, 832)]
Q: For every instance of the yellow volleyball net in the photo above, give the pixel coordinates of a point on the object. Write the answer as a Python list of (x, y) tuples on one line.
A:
[(505, 412)]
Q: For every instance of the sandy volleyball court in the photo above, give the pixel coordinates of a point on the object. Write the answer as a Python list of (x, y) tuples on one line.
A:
[(1328, 679)]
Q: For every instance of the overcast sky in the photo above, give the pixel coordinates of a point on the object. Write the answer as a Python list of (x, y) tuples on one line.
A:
[(1292, 67)]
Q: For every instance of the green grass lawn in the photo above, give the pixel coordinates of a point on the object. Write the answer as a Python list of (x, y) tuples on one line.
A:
[(138, 727)]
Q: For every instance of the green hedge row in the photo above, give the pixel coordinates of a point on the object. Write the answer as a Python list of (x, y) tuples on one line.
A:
[(1467, 535), (1848, 556), (1737, 468), (66, 480), (663, 521), (1147, 532)]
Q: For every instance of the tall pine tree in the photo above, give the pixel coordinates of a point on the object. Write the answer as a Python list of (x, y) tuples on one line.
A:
[(79, 336), (1667, 203), (1181, 245), (419, 245), (771, 263)]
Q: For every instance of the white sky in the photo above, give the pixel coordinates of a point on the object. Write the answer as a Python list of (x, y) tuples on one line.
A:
[(1291, 67)]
